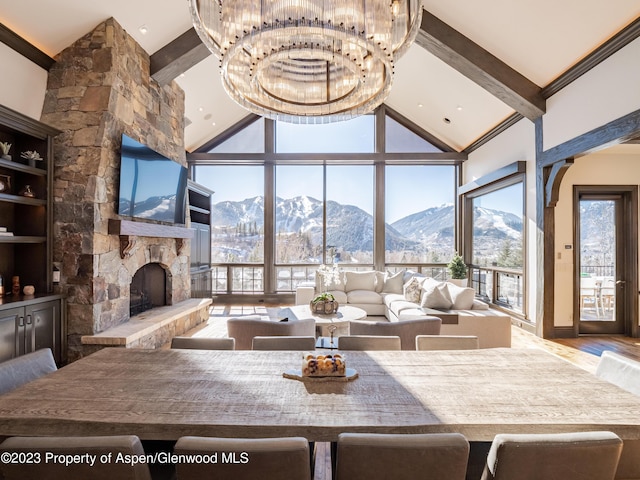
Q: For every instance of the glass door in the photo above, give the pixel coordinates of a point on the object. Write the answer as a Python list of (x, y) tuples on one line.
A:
[(601, 267)]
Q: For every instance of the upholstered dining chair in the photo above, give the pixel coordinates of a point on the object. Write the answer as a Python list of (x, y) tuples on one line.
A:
[(243, 329), (284, 343), (369, 342), (265, 458), (98, 446), (446, 342), (557, 456), (25, 368), (203, 343), (619, 370), (368, 456), (407, 330)]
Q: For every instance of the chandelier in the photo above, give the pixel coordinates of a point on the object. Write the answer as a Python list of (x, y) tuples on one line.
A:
[(307, 61)]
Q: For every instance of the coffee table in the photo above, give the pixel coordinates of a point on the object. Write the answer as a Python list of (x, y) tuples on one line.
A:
[(326, 323)]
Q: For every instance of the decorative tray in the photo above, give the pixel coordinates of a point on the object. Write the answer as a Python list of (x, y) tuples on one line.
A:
[(296, 374)]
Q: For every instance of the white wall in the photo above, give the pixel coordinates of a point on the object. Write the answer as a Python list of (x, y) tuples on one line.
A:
[(22, 83), (605, 93), (618, 166), (515, 144)]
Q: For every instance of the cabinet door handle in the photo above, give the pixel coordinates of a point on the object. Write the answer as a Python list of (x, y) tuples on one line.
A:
[(28, 319), (21, 322)]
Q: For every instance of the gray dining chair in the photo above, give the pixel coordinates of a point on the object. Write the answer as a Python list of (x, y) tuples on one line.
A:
[(203, 343), (407, 330), (446, 342), (368, 456), (557, 456), (99, 446), (369, 342), (269, 458), (25, 368), (284, 343), (243, 329)]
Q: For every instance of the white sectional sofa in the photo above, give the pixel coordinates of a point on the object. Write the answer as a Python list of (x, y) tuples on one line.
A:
[(407, 295)]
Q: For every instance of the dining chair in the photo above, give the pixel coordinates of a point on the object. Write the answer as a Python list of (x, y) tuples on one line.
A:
[(284, 343), (245, 458), (369, 342), (446, 342), (554, 456), (407, 330), (25, 368), (98, 461), (243, 329), (369, 456), (203, 343)]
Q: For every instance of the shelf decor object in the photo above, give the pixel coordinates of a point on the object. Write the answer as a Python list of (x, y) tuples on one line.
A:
[(308, 61), (32, 156), (4, 150)]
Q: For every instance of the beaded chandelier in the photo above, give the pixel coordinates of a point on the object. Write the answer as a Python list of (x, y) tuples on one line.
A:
[(307, 61)]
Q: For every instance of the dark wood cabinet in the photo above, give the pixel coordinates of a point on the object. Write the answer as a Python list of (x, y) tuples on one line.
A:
[(200, 215), (30, 322)]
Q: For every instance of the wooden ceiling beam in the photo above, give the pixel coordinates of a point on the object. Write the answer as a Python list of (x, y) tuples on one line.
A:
[(25, 48), (480, 66), (177, 57)]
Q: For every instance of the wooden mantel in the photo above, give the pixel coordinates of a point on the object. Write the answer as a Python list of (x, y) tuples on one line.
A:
[(127, 229)]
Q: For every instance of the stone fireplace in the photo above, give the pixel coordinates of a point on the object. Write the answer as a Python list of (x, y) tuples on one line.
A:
[(100, 88)]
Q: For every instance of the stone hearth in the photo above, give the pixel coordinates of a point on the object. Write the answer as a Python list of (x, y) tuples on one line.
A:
[(98, 89)]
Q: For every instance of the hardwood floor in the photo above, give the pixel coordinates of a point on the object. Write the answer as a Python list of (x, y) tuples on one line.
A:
[(583, 351)]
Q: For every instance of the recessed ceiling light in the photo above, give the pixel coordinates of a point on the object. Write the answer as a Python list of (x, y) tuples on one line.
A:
[(459, 108), (143, 29), (208, 116), (446, 120), (420, 105), (213, 124), (200, 109)]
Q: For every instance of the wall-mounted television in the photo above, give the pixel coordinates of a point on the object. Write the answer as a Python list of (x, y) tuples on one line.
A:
[(152, 186)]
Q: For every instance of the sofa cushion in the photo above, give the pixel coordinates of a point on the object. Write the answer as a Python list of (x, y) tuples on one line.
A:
[(461, 297), (393, 282), (435, 295), (379, 281), (479, 305), (363, 296), (412, 289), (340, 296), (389, 298), (360, 281), (400, 306)]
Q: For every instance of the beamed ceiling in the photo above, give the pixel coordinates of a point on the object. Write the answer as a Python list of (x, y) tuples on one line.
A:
[(478, 64)]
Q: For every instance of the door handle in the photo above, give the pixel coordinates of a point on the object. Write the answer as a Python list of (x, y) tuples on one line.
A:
[(620, 282)]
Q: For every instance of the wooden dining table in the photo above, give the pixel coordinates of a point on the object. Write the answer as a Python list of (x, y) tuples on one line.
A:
[(166, 394)]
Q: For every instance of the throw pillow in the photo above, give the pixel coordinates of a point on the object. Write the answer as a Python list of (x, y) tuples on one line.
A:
[(435, 296), (462, 297), (379, 281), (360, 281), (413, 290), (393, 282)]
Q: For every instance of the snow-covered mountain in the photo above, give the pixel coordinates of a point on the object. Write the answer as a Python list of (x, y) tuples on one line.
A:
[(351, 228)]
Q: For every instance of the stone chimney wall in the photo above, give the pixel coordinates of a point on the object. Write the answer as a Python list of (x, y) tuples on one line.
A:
[(99, 89)]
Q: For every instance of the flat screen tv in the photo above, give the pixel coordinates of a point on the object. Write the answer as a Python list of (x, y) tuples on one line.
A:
[(152, 186)]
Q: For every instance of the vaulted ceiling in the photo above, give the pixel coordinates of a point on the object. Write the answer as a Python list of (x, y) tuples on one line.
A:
[(475, 63)]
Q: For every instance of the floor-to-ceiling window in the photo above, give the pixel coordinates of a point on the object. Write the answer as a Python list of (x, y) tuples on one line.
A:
[(495, 229), (289, 198)]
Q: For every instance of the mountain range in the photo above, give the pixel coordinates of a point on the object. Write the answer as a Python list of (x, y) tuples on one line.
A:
[(351, 228)]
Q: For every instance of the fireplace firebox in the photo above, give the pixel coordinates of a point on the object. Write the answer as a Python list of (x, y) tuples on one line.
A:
[(148, 289)]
